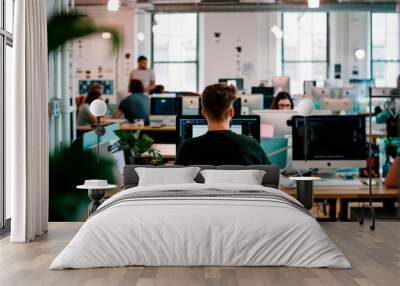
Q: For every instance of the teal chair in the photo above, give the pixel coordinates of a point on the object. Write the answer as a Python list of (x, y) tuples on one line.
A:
[(273, 144)]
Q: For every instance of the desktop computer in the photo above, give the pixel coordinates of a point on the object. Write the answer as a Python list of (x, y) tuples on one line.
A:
[(236, 82), (237, 106), (190, 105), (194, 126), (267, 92), (278, 119), (164, 108), (251, 102), (318, 92), (332, 142), (281, 83), (308, 85)]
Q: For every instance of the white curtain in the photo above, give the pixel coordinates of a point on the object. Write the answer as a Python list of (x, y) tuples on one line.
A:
[(27, 124)]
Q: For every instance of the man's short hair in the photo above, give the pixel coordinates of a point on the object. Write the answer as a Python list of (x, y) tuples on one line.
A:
[(136, 86), (217, 99), (141, 58)]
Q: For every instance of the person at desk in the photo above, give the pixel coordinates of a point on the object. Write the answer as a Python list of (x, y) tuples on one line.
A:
[(220, 145), (84, 115), (144, 74), (282, 101), (136, 105)]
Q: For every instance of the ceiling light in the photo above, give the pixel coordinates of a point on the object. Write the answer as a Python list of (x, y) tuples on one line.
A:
[(106, 35), (113, 5), (313, 3), (141, 36), (277, 31), (359, 54)]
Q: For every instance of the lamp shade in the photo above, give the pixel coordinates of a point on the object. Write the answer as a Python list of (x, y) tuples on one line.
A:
[(359, 54), (305, 107), (98, 108)]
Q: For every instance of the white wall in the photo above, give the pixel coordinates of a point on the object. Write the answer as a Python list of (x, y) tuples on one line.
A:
[(123, 20), (219, 58)]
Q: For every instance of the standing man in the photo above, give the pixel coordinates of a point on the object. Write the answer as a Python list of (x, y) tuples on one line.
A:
[(144, 74)]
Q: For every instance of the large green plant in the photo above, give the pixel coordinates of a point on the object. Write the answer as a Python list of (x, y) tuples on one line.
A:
[(136, 145), (68, 168), (65, 27)]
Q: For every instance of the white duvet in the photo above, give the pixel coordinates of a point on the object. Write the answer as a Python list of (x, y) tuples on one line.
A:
[(202, 232)]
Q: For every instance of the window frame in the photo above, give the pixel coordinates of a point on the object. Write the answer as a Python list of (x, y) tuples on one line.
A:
[(327, 61), (196, 62), (6, 39), (372, 61)]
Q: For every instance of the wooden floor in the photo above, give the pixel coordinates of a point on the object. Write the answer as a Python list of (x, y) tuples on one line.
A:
[(375, 257)]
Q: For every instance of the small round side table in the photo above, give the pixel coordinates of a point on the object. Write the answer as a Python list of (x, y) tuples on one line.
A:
[(96, 194), (304, 189)]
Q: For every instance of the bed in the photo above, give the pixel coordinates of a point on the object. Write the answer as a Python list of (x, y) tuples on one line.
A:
[(198, 224)]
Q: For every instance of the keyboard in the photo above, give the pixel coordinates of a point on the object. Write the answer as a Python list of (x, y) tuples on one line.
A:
[(325, 182), (338, 182)]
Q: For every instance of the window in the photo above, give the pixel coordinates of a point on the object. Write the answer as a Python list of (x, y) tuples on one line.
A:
[(305, 48), (175, 57), (385, 49), (6, 43)]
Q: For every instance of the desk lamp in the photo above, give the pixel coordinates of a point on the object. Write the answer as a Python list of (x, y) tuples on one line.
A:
[(305, 108), (98, 108), (304, 185)]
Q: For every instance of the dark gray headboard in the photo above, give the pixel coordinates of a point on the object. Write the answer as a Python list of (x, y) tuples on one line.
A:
[(271, 177)]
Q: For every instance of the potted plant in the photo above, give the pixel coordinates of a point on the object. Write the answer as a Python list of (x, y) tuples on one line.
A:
[(134, 146)]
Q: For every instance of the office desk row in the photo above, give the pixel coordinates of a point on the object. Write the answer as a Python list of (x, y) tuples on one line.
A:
[(338, 198)]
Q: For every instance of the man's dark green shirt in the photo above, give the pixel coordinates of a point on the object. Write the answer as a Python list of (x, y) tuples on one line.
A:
[(222, 147)]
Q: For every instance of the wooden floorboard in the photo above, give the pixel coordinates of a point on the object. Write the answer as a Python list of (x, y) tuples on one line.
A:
[(375, 257)]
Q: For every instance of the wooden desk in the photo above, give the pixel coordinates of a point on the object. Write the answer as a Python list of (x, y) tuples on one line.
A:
[(345, 195), (132, 127)]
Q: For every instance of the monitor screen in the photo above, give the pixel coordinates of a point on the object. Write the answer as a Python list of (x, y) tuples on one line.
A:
[(107, 85), (195, 126), (236, 82), (165, 105), (330, 138), (266, 90)]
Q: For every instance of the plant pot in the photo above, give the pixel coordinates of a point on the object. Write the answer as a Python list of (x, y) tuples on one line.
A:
[(131, 159)]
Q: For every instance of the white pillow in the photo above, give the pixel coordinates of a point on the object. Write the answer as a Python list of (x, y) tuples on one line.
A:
[(166, 176), (248, 177)]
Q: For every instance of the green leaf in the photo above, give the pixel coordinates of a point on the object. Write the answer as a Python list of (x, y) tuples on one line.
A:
[(65, 27)]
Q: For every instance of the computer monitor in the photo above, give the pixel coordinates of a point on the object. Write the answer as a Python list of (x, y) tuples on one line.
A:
[(278, 119), (281, 83), (190, 105), (267, 91), (333, 142), (337, 104), (194, 126), (318, 92), (251, 102), (164, 107), (237, 106), (308, 85), (236, 82)]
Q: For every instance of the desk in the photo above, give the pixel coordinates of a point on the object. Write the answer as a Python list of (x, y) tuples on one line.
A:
[(344, 195), (133, 127), (161, 134)]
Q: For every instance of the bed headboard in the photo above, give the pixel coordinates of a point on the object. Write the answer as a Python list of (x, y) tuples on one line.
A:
[(270, 179)]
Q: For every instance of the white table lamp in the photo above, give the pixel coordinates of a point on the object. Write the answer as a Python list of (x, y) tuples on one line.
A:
[(98, 108)]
